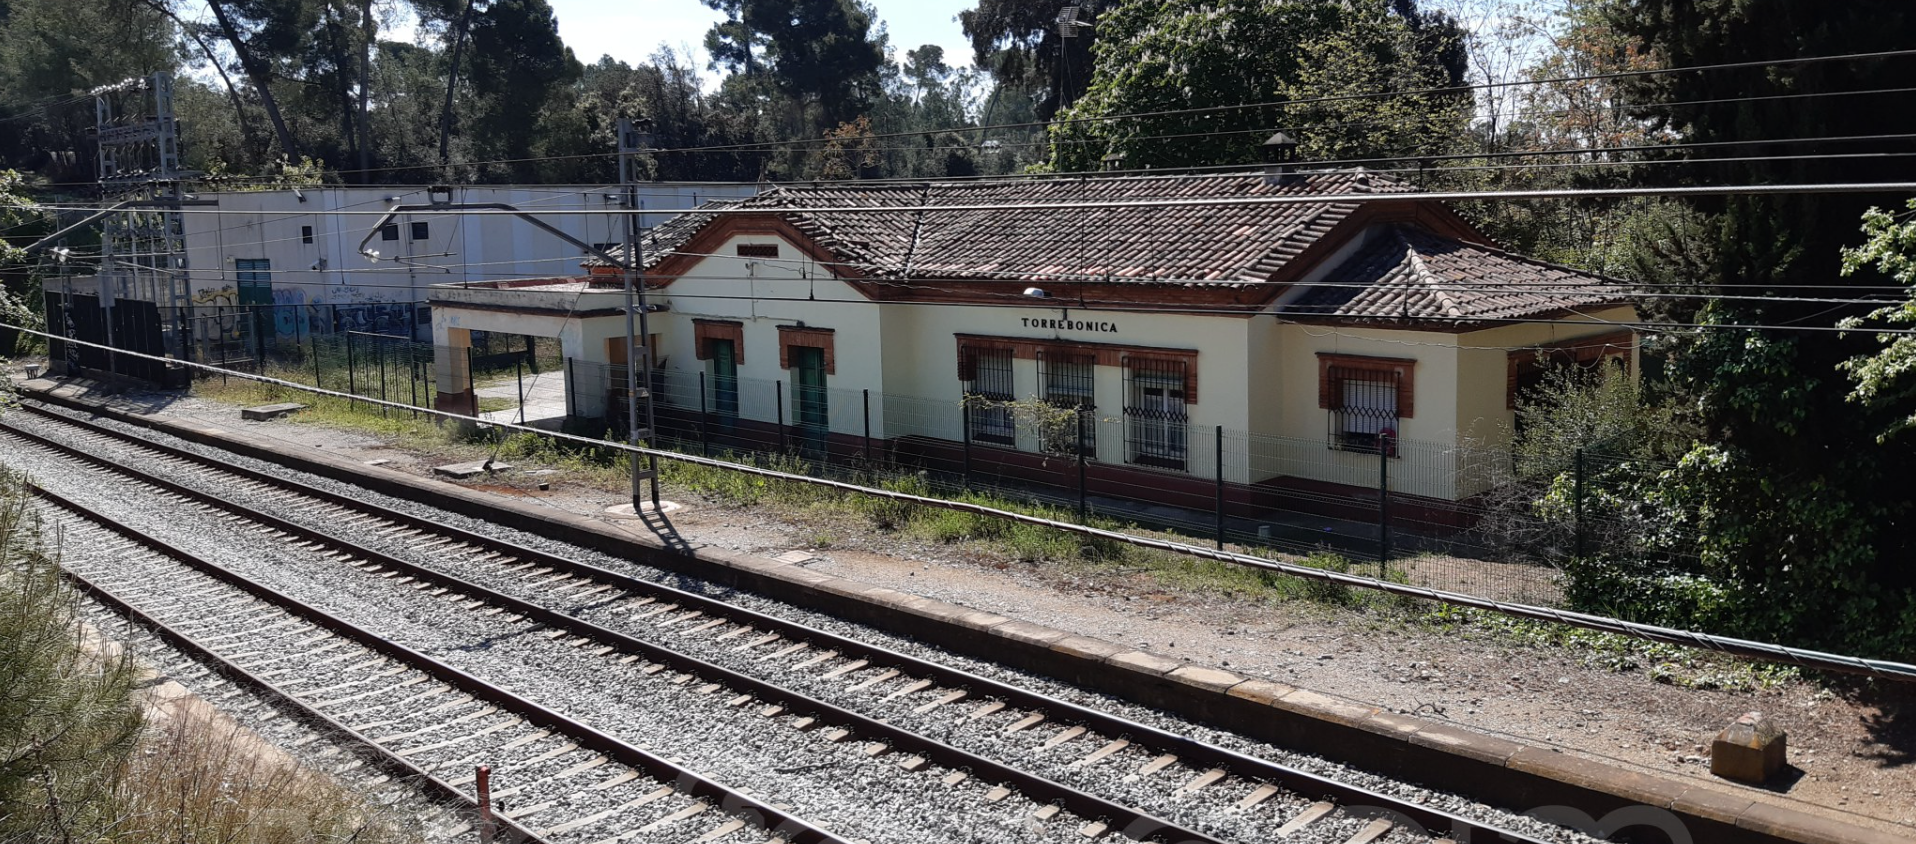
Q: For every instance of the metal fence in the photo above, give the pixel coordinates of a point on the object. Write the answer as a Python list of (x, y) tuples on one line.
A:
[(1458, 516)]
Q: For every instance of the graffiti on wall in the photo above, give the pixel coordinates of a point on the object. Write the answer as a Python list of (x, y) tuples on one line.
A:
[(219, 296), (296, 312), (214, 314), (290, 311)]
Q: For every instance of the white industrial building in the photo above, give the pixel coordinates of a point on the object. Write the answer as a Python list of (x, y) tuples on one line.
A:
[(298, 249)]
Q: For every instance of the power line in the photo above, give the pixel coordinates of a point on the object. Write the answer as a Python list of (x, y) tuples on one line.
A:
[(1453, 90), (1541, 288), (1211, 202), (1193, 170), (1017, 300)]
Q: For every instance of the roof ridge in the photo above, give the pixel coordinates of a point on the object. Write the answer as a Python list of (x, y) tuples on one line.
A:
[(917, 231), (1443, 297), (1522, 258)]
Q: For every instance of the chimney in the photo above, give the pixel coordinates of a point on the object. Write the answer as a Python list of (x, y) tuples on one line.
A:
[(1280, 159), (1112, 161)]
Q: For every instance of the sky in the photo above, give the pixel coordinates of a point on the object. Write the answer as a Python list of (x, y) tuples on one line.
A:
[(630, 30)]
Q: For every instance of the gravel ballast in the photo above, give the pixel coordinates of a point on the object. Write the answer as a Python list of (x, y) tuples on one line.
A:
[(425, 628)]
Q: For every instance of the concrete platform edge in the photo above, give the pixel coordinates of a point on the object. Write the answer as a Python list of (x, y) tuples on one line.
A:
[(1439, 755)]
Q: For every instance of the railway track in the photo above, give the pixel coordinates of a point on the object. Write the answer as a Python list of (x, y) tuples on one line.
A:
[(1080, 769), (425, 720)]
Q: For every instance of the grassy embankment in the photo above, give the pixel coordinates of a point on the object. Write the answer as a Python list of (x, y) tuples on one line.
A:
[(82, 760)]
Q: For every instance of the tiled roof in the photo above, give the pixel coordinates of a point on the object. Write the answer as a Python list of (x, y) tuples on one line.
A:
[(1402, 271), (1406, 272), (1232, 244), (662, 239)]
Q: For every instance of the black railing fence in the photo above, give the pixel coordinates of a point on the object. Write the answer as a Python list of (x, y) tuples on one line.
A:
[(1437, 512)]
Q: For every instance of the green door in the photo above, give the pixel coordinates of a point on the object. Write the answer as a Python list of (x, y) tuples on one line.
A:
[(255, 278), (724, 379), (809, 411)]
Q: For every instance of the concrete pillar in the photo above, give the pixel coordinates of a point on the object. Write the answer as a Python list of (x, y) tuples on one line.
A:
[(452, 369)]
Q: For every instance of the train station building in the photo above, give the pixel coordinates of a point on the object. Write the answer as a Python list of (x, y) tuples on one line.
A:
[(1279, 330)]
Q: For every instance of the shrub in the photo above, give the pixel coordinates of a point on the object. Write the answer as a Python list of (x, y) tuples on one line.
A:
[(67, 718)]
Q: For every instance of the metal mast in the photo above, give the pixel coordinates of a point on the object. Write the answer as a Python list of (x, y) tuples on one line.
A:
[(635, 139), (143, 249)]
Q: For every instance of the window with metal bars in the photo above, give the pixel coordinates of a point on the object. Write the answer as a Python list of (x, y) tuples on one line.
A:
[(1155, 422), (988, 394), (1070, 380), (1364, 409)]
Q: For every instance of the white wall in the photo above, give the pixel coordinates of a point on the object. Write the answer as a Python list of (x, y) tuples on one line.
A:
[(458, 247), (763, 294)]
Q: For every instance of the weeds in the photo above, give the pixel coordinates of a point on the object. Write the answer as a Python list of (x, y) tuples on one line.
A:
[(79, 761), (1665, 663)]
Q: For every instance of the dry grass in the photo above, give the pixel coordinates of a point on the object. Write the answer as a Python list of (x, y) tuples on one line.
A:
[(81, 760), (203, 778)]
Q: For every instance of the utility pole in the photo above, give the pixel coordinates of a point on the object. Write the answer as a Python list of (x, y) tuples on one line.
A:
[(635, 139)]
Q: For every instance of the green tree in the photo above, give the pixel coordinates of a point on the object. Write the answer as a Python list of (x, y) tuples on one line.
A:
[(1196, 54), (1806, 514), (51, 53), (1883, 380), (1022, 44), (823, 54), (21, 223), (521, 74)]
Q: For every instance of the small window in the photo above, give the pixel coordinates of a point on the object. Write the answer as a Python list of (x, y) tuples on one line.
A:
[(421, 231), (305, 234), (389, 231), (1365, 417), (988, 396), (1069, 380), (1156, 426), (758, 250), (1367, 398)]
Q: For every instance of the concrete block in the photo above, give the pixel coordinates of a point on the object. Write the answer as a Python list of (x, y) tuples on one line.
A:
[(1144, 662), (1465, 743), (1085, 647), (1335, 710), (1029, 633), (1751, 749), (265, 412), (462, 471), (1262, 692), (1208, 679)]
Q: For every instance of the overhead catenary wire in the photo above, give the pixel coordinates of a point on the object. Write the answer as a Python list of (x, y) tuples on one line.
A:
[(1207, 202), (1015, 300), (1017, 278), (1884, 669), (1450, 90)]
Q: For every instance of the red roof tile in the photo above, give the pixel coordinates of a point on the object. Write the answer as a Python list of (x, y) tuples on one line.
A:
[(1406, 272)]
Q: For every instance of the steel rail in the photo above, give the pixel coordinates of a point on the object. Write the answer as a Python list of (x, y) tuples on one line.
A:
[(1132, 822), (758, 813), (507, 830), (1808, 658), (1355, 799)]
